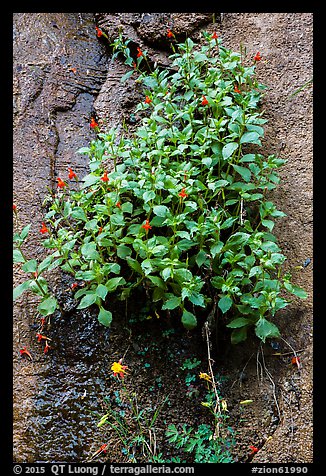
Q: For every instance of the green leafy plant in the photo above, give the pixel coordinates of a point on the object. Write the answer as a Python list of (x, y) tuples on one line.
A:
[(178, 212)]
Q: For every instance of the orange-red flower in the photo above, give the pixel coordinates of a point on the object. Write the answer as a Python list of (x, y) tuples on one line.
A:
[(61, 183), (118, 204), (98, 32), (146, 225), (46, 348), (257, 56), (72, 174), (74, 285), (295, 361), (214, 36), (40, 337), (24, 351), (183, 194), (103, 448), (93, 124), (44, 229), (169, 34), (148, 100), (204, 101), (236, 89), (140, 53), (105, 177), (254, 449), (14, 208)]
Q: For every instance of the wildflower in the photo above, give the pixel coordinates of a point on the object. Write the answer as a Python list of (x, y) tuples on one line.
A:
[(205, 376), (35, 274), (98, 32), (46, 348), (236, 89), (93, 124), (257, 56), (169, 34), (44, 228), (183, 194), (224, 406), (118, 204), (103, 448), (254, 449), (14, 208), (41, 337), (140, 53), (214, 36), (134, 65), (100, 229), (61, 183), (72, 174), (74, 70), (24, 351), (204, 101), (74, 285), (118, 369), (146, 226), (105, 177), (42, 322), (295, 361), (148, 100)]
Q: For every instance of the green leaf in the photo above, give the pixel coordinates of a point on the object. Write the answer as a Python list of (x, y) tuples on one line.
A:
[(45, 264), (160, 210), (79, 214), (225, 303), (228, 149), (269, 224), (18, 257), (149, 195), (250, 138), (104, 317), (197, 299), (201, 257), (89, 251), (126, 76), (113, 283), (123, 251), (87, 301), (188, 320), (157, 281), (216, 248), (237, 239), (18, 290), (135, 265), (265, 329), (172, 303), (25, 231), (101, 291), (238, 335), (47, 306), (243, 171), (238, 322), (296, 290), (30, 266)]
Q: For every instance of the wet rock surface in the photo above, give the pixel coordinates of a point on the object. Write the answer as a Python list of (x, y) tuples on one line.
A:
[(53, 105)]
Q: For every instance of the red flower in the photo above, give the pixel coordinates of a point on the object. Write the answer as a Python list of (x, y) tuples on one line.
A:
[(214, 36), (146, 226), (118, 204), (105, 177), (72, 174), (254, 450), (61, 183), (93, 123), (204, 101), (183, 194), (35, 275), (40, 337), (257, 56), (140, 53), (74, 285), (169, 34), (148, 100), (295, 361), (103, 448), (98, 32), (42, 322), (134, 65), (236, 89), (14, 208), (46, 348), (44, 228), (24, 351)]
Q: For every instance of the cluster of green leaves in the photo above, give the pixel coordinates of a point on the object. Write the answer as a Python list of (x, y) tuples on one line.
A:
[(193, 171)]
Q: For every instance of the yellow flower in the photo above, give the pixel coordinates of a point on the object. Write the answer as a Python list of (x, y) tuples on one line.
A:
[(205, 376), (118, 369), (224, 406)]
